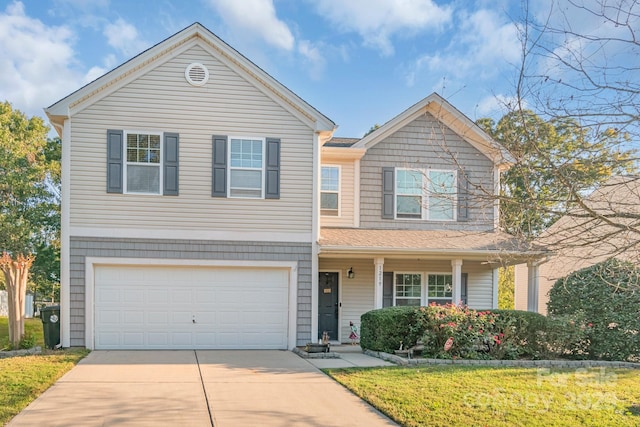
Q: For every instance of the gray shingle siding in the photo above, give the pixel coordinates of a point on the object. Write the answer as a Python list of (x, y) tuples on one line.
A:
[(425, 144), (81, 247)]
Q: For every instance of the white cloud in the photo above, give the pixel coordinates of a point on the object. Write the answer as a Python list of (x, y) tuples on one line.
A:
[(484, 45), (313, 57), (377, 21), (255, 19), (124, 37), (37, 61)]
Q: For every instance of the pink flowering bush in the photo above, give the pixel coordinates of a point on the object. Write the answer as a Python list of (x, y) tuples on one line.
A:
[(471, 334)]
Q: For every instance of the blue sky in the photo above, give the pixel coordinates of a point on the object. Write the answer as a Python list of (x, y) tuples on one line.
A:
[(360, 62)]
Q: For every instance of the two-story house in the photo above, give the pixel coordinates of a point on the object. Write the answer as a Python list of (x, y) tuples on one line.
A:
[(205, 205)]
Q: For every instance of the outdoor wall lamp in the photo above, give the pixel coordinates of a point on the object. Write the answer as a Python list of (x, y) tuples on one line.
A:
[(350, 273)]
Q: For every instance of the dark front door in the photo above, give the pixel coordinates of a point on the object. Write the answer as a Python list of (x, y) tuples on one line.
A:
[(328, 305)]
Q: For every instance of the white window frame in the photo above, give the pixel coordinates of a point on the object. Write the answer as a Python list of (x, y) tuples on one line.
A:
[(396, 194), (422, 288), (338, 210), (426, 285), (263, 141), (425, 203), (127, 163)]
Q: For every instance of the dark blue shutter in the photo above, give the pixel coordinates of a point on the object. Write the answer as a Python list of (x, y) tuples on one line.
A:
[(272, 169), (464, 289), (464, 198), (219, 172), (115, 160), (388, 192), (170, 164)]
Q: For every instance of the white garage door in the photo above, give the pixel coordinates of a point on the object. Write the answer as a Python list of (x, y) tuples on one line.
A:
[(144, 307)]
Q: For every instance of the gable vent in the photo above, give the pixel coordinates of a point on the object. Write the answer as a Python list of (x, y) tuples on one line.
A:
[(197, 74)]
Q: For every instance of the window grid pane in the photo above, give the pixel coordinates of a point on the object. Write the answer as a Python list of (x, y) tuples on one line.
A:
[(246, 153), (246, 168), (409, 193), (330, 178), (408, 286), (143, 148), (442, 195), (329, 201), (440, 286)]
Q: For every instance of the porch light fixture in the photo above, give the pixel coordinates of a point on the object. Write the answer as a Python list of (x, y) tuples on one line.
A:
[(350, 273)]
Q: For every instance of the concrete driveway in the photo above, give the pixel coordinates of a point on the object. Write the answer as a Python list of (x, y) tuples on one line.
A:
[(197, 388)]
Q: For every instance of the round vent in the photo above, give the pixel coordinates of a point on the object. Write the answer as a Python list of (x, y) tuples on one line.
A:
[(197, 74)]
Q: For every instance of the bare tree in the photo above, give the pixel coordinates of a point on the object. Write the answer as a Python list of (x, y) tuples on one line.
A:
[(580, 70)]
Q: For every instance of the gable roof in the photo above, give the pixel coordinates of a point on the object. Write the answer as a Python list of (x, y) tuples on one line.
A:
[(447, 114), (605, 227), (195, 34)]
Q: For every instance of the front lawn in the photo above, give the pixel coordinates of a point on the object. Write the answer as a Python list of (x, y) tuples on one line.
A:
[(32, 329), (23, 378), (448, 395)]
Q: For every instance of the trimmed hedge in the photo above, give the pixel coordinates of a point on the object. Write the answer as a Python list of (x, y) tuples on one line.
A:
[(484, 334), (386, 328)]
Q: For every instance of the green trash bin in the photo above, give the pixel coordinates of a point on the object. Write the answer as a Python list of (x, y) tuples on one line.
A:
[(51, 325)]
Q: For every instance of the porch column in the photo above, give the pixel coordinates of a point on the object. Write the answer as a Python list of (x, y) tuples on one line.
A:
[(378, 282), (533, 281), (456, 273)]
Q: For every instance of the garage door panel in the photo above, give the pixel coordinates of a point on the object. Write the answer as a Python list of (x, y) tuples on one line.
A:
[(133, 317), (155, 307), (158, 296)]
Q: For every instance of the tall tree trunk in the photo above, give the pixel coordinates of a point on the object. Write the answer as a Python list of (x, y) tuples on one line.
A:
[(16, 274)]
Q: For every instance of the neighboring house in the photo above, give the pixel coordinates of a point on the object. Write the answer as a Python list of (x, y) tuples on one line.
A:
[(205, 205), (606, 227)]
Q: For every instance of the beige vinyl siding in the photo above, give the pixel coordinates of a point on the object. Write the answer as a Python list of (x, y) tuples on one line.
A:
[(521, 286), (480, 289), (162, 100), (347, 197), (425, 144)]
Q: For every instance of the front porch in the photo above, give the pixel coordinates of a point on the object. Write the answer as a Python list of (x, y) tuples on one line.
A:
[(383, 282), (360, 270)]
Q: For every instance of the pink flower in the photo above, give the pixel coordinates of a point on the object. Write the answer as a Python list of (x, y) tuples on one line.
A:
[(590, 325), (496, 339)]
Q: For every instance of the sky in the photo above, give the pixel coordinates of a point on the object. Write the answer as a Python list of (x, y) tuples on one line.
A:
[(359, 62)]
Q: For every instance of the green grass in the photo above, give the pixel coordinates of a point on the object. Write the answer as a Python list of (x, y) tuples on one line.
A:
[(483, 396), (32, 328), (23, 378)]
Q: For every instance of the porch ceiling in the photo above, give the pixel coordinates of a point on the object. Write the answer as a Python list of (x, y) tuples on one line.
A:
[(482, 245)]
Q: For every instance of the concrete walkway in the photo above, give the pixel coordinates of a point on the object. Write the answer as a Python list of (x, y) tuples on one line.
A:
[(197, 388), (350, 357)]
